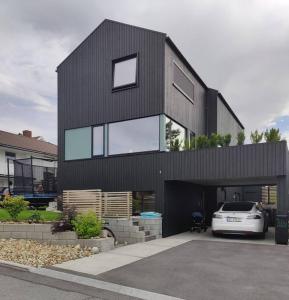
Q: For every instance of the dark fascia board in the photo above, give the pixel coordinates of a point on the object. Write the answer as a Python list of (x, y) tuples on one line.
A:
[(183, 59), (28, 150), (230, 110), (105, 21)]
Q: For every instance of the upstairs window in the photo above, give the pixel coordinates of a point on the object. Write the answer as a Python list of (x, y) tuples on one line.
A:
[(138, 135), (98, 144), (125, 72), (78, 143)]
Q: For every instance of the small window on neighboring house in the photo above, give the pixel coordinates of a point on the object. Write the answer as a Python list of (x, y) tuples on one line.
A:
[(125, 72), (10, 155), (98, 145)]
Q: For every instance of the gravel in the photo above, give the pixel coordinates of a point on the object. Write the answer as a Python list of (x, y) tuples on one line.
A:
[(37, 254)]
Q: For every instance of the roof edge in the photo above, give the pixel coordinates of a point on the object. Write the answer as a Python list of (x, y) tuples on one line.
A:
[(105, 20), (28, 150), (184, 60)]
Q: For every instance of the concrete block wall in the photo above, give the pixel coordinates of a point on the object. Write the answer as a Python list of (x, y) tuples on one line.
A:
[(152, 225), (42, 233), (125, 231)]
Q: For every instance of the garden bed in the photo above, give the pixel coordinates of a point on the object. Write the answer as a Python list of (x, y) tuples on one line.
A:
[(37, 254)]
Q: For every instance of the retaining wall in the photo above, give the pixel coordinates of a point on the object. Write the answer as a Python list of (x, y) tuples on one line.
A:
[(42, 233)]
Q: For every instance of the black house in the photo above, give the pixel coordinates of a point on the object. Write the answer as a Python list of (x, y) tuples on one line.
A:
[(127, 98)]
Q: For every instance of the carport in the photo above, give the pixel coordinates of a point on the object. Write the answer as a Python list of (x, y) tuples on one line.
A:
[(194, 176)]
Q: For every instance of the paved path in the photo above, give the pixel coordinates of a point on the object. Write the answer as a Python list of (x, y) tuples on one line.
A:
[(122, 256)]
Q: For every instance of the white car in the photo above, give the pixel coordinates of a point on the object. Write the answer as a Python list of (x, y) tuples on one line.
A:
[(240, 218)]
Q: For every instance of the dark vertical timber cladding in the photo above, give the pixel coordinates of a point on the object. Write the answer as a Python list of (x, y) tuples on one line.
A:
[(211, 111), (85, 94)]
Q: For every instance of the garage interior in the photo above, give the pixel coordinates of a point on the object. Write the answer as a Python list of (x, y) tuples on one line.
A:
[(183, 198)]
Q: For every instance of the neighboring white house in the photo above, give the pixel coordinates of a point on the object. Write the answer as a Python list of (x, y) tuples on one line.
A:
[(18, 146)]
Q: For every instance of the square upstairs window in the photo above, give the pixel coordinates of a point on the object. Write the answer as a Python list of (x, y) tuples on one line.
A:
[(124, 72)]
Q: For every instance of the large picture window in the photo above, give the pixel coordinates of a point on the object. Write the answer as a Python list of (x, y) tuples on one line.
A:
[(78, 143), (175, 135), (125, 72), (131, 136), (98, 147)]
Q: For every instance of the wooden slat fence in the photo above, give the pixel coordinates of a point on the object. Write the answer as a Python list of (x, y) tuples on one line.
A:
[(117, 204), (104, 204), (83, 200)]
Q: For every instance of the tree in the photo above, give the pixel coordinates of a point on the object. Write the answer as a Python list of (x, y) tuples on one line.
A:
[(175, 145), (272, 135), (241, 138), (256, 137)]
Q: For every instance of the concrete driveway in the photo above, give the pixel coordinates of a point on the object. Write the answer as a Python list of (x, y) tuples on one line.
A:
[(202, 269)]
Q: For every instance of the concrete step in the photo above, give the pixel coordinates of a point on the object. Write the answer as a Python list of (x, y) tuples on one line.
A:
[(135, 223), (147, 233), (141, 228), (150, 238)]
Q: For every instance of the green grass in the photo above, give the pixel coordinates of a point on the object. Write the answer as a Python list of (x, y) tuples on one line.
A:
[(26, 214)]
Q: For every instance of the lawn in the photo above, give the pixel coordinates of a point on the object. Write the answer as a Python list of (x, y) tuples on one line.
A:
[(26, 214)]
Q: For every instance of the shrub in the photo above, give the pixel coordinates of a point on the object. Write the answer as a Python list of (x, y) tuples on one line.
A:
[(189, 144), (35, 217), (87, 225), (241, 138), (69, 214), (202, 142), (272, 135), (214, 140), (14, 206), (256, 137), (227, 139)]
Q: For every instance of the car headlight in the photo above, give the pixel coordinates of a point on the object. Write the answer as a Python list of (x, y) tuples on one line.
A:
[(254, 217), (217, 216)]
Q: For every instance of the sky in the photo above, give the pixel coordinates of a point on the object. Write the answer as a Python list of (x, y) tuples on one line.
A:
[(240, 47)]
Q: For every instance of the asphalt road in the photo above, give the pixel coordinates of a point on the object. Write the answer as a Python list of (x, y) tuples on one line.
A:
[(17, 284), (206, 270)]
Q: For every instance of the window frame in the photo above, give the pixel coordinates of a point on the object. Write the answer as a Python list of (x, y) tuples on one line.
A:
[(103, 141), (137, 152), (129, 85)]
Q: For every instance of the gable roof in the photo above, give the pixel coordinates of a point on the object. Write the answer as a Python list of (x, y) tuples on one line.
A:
[(11, 140), (173, 46)]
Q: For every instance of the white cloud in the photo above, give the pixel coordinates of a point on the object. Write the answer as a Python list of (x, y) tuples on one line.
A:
[(239, 47)]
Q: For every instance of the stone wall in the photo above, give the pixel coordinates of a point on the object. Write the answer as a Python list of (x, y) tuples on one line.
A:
[(42, 233)]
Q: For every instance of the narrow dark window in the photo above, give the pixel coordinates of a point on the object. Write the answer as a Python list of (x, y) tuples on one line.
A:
[(125, 72)]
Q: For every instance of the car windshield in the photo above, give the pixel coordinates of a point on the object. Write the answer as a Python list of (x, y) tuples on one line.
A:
[(238, 206)]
